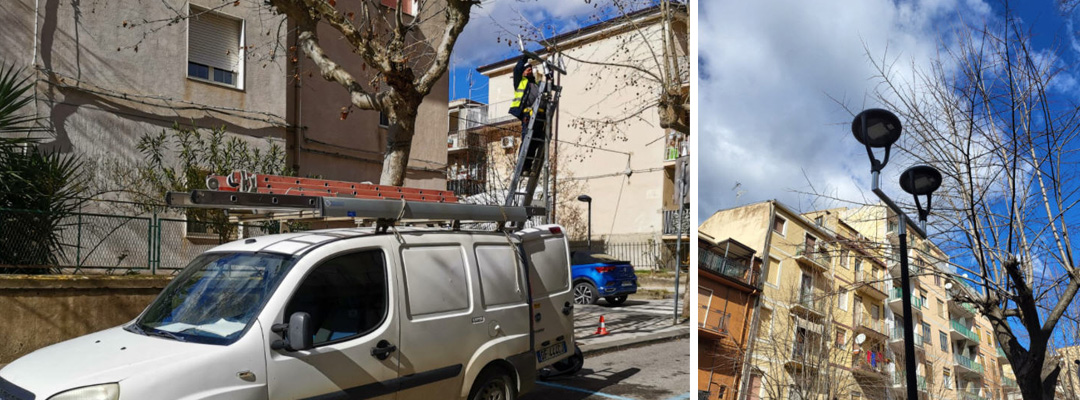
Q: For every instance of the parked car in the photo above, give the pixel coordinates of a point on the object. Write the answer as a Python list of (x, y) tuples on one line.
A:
[(344, 313), (598, 275)]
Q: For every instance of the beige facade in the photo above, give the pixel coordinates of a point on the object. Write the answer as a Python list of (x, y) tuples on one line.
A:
[(832, 305), (625, 171)]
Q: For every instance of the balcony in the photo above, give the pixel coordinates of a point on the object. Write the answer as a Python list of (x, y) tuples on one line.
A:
[(959, 308), (809, 304), (871, 286), (958, 331), (803, 358), (671, 222), (1008, 384), (896, 339), (814, 256), (737, 269), (900, 383), (875, 368), (968, 394), (872, 327), (897, 304), (715, 322), (965, 365), (1001, 355)]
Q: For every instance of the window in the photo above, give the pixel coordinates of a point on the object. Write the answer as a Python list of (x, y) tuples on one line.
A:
[(841, 341), (944, 342), (819, 221), (940, 308), (704, 300), (779, 224), (215, 47), (926, 334), (384, 121), (436, 281), (937, 279), (496, 277), (946, 378), (844, 258), (893, 226), (346, 296), (844, 300), (773, 271), (723, 391)]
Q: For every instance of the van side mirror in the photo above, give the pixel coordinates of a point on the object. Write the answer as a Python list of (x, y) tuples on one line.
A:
[(299, 337)]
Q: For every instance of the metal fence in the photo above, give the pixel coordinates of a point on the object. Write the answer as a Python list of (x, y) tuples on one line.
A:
[(649, 254), (108, 243)]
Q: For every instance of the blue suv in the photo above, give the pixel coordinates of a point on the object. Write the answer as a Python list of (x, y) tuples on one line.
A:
[(598, 275)]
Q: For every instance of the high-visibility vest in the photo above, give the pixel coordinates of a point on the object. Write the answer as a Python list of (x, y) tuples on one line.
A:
[(519, 92)]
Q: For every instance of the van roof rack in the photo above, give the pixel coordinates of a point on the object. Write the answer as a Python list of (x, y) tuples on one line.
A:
[(259, 196)]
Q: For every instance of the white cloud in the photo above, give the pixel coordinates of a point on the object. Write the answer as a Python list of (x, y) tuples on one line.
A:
[(780, 74)]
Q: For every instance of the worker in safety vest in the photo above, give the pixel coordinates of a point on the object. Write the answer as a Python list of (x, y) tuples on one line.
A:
[(526, 90)]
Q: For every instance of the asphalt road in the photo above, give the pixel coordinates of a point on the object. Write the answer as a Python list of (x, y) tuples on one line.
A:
[(654, 372)]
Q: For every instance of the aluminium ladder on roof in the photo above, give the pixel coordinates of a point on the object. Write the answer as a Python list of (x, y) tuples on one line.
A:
[(548, 100), (316, 198)]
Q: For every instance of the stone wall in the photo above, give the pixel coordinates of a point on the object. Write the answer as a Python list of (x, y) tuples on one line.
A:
[(37, 311)]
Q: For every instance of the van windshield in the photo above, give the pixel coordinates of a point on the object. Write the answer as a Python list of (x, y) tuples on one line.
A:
[(215, 298)]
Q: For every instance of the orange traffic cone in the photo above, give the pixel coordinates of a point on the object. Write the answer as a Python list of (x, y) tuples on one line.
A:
[(601, 330)]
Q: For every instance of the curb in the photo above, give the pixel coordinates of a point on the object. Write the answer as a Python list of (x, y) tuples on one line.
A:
[(637, 341)]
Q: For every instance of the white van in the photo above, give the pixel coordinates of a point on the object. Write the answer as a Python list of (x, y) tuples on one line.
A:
[(333, 314)]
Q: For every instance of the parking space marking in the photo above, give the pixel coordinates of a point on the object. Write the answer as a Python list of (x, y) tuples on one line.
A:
[(591, 392)]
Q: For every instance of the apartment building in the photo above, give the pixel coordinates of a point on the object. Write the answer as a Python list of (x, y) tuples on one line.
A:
[(628, 174), (842, 266), (728, 286)]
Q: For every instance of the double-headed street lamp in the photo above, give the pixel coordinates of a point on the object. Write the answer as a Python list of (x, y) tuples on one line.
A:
[(876, 128)]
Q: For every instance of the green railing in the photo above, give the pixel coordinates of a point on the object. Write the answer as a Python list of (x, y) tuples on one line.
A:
[(898, 334), (1001, 353), (109, 243), (957, 326), (898, 379), (1006, 382), (968, 363), (898, 294)]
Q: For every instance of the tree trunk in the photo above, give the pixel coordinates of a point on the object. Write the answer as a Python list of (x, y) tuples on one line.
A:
[(1029, 377), (399, 142)]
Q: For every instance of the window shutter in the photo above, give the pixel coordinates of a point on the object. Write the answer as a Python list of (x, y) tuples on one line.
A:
[(214, 40)]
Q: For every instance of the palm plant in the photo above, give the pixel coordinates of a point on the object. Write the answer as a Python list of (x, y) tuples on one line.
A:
[(39, 189)]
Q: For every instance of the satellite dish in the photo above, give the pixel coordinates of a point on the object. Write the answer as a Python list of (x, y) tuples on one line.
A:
[(948, 286), (860, 338)]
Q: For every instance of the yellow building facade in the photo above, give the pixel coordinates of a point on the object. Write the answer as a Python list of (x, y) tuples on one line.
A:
[(830, 319)]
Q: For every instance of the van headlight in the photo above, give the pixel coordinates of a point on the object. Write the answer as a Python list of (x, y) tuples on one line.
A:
[(109, 391)]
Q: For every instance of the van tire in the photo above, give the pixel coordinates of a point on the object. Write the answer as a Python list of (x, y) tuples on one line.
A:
[(493, 384), (616, 300), (572, 364), (585, 293)]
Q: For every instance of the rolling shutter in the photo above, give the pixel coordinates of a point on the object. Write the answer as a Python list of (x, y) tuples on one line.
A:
[(214, 40)]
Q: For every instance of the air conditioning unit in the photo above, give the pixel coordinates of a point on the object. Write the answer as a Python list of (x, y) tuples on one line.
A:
[(507, 142)]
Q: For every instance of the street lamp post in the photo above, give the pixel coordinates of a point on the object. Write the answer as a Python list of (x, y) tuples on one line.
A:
[(876, 128), (585, 198)]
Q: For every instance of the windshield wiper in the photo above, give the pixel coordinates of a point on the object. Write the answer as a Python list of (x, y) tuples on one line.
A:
[(164, 334)]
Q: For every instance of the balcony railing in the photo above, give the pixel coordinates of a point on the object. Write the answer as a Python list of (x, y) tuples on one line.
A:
[(737, 269), (968, 363), (964, 394), (898, 334), (859, 362), (898, 379), (963, 330), (897, 294), (864, 320), (810, 301), (865, 279), (671, 222), (482, 114), (815, 253), (1009, 383), (715, 321)]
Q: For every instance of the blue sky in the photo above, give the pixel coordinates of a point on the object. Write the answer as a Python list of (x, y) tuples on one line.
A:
[(781, 79)]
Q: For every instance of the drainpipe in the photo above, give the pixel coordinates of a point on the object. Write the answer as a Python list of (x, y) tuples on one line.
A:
[(756, 324), (297, 126)]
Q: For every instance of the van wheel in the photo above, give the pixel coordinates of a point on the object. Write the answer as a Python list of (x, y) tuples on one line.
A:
[(493, 384), (585, 293), (572, 364), (616, 300)]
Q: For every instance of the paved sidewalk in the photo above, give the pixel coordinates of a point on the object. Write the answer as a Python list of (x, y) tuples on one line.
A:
[(634, 323)]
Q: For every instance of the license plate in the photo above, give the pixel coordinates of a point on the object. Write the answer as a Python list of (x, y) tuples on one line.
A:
[(550, 352), (628, 283)]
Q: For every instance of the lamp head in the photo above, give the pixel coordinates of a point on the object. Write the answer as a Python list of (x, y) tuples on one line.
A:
[(881, 130), (920, 180), (585, 198)]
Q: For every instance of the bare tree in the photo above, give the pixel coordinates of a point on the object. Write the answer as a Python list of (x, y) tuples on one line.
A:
[(990, 115), (650, 59), (407, 56)]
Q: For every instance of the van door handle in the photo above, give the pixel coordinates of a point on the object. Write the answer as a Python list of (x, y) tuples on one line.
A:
[(383, 349), (567, 308)]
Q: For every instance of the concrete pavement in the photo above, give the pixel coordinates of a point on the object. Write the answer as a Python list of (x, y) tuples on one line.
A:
[(654, 372), (633, 323)]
